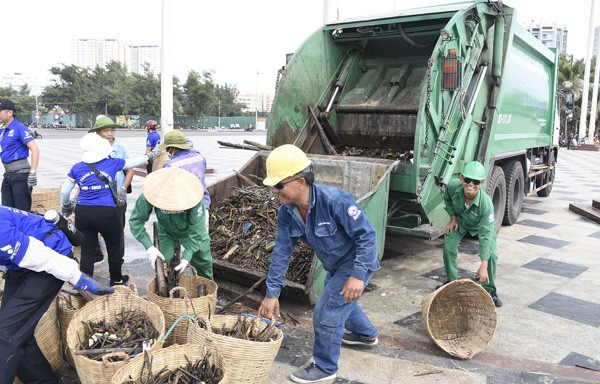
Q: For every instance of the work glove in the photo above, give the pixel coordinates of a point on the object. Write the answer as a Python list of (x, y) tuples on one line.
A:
[(86, 283), (67, 209), (121, 197), (182, 265), (153, 253), (207, 221), (32, 180), (150, 155)]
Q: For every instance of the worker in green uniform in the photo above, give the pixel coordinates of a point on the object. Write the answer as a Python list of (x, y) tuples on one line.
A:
[(176, 196), (471, 210)]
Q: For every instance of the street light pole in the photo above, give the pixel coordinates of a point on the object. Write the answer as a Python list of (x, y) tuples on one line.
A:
[(37, 113), (586, 76), (256, 102), (166, 71)]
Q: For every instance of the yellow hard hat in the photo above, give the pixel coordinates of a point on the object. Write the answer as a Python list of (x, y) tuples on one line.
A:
[(284, 161)]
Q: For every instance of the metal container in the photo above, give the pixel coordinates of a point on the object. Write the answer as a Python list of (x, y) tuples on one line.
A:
[(368, 180)]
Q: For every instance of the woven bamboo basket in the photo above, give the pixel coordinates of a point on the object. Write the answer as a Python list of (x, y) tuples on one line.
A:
[(45, 199), (68, 305), (160, 159), (170, 358), (187, 303), (107, 308), (46, 335), (460, 318), (247, 362)]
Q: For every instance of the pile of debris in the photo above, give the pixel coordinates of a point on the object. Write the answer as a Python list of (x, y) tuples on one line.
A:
[(242, 231)]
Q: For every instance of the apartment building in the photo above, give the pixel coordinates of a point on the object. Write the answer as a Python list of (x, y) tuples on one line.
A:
[(551, 35), (89, 53)]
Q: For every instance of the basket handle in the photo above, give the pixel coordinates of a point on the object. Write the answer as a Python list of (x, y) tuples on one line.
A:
[(133, 287), (125, 289), (175, 289), (206, 321), (193, 269), (105, 358)]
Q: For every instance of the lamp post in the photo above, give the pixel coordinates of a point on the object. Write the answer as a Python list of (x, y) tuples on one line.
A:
[(256, 102), (37, 113)]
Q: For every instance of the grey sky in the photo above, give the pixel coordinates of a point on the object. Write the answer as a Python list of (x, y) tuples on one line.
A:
[(233, 37)]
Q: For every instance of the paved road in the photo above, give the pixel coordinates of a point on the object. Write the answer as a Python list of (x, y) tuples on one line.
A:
[(548, 273)]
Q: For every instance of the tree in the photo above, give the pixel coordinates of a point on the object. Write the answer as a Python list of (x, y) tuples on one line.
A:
[(227, 94), (114, 91), (570, 75), (21, 96), (199, 91)]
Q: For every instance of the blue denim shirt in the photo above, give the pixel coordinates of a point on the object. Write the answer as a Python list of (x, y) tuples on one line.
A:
[(336, 228), (119, 152)]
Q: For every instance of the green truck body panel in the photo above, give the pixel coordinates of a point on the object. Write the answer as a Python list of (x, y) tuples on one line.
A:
[(388, 72)]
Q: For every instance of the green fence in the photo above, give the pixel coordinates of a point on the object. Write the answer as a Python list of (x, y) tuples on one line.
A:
[(86, 120)]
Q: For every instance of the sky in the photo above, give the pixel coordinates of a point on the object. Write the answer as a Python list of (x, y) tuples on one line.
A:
[(243, 41)]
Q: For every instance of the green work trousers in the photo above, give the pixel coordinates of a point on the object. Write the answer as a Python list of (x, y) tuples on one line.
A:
[(451, 241)]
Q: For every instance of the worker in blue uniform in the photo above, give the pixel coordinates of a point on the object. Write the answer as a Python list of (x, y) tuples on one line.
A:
[(152, 140), (38, 258), (471, 210), (97, 210), (15, 143), (331, 222)]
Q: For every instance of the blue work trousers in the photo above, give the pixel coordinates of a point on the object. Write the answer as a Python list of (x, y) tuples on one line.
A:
[(332, 315), (27, 296), (15, 192)]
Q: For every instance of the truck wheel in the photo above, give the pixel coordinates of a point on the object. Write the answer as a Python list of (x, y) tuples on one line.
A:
[(497, 190), (547, 177), (515, 181)]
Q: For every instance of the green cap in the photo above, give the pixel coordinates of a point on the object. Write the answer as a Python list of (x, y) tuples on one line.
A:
[(103, 122), (474, 170), (175, 139)]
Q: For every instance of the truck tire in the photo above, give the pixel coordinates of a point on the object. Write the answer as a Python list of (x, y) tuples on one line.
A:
[(515, 189), (547, 177), (497, 190)]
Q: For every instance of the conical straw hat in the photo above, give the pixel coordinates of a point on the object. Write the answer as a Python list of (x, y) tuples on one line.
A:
[(172, 189)]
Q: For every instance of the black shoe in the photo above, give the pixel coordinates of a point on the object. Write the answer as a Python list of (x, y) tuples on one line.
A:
[(124, 280), (350, 338), (497, 301), (440, 286)]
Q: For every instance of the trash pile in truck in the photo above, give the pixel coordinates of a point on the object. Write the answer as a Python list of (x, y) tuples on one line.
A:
[(243, 228)]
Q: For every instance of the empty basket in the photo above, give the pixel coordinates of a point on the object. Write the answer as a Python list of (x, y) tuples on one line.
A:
[(460, 318)]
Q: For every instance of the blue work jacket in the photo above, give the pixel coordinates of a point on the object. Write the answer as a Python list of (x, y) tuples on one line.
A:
[(15, 228), (336, 228)]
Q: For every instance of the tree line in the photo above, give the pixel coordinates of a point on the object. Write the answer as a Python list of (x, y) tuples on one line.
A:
[(114, 91)]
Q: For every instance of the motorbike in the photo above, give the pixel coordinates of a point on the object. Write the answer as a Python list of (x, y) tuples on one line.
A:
[(562, 142), (36, 135)]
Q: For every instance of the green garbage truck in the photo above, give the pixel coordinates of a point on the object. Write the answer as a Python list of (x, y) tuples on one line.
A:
[(422, 92), (434, 88)]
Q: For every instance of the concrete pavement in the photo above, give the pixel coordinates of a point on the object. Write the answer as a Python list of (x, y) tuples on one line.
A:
[(548, 271)]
